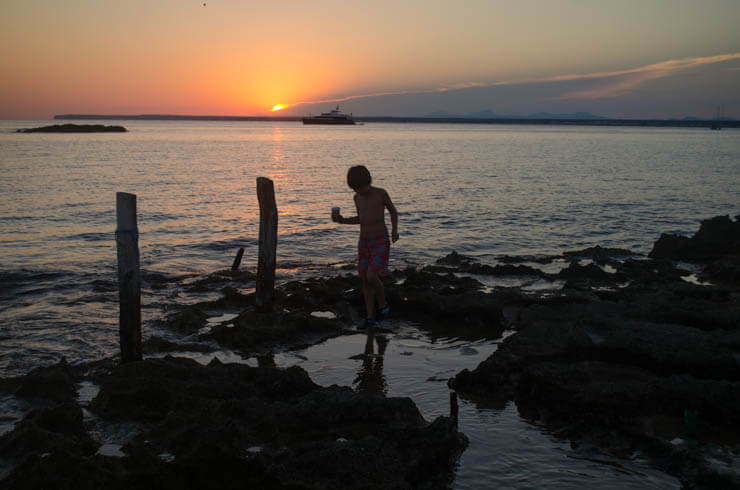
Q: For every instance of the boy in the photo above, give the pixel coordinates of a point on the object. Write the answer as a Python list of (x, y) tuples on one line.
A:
[(373, 249)]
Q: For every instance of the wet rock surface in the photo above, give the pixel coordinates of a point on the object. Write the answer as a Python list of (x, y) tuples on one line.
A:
[(231, 426), (634, 360), (313, 310)]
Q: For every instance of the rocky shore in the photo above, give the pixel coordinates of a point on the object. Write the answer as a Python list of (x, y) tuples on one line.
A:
[(221, 426), (635, 360), (637, 355)]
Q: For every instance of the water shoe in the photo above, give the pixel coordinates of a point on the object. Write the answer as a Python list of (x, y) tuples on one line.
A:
[(383, 312)]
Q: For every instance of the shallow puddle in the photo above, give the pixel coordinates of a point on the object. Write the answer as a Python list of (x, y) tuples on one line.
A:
[(505, 451)]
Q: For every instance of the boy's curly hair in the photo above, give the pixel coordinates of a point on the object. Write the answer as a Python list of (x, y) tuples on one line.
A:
[(358, 177)]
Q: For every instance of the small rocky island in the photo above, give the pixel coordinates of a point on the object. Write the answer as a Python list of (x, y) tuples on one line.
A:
[(75, 128)]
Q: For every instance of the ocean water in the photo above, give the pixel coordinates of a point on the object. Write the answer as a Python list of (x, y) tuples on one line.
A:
[(483, 190)]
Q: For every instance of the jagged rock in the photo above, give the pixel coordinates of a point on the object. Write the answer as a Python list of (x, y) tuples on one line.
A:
[(45, 430), (255, 330), (55, 382), (717, 237), (454, 259), (723, 271), (599, 254), (189, 320)]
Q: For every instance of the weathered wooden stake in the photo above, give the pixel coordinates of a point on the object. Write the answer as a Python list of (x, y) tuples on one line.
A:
[(237, 260), (129, 277), (265, 288), (453, 407)]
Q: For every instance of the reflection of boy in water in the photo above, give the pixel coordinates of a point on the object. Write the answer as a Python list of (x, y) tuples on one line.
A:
[(370, 379), (373, 248)]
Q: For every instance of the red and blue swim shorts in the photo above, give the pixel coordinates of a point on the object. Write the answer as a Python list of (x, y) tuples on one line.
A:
[(373, 254)]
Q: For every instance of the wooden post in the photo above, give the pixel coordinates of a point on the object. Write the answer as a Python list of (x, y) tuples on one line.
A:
[(453, 407), (237, 260), (129, 277), (265, 288)]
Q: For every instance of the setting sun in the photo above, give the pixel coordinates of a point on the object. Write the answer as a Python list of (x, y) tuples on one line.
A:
[(278, 107)]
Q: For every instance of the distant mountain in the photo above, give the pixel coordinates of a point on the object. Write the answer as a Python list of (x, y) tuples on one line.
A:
[(440, 114), (722, 118), (489, 114), (574, 115)]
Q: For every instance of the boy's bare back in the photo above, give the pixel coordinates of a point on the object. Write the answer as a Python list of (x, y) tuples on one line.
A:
[(371, 203)]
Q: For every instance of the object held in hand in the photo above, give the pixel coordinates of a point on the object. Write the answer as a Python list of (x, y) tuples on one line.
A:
[(334, 213)]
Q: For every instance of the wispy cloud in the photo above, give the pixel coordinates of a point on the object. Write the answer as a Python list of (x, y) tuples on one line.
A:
[(613, 83), (616, 82), (620, 82), (356, 96)]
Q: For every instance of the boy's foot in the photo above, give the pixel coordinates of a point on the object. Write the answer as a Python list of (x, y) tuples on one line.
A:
[(383, 312), (369, 322)]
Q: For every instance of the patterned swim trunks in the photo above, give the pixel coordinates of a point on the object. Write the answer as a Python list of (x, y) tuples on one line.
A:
[(373, 254)]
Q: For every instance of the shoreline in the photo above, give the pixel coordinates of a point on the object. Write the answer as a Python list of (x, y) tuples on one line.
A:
[(628, 356), (699, 123)]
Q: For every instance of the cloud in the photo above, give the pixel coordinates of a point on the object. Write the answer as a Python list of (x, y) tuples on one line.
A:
[(609, 84), (621, 82)]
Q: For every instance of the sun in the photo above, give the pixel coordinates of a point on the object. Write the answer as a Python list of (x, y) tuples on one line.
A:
[(278, 107)]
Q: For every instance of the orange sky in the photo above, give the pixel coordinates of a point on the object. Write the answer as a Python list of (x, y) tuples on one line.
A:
[(239, 57)]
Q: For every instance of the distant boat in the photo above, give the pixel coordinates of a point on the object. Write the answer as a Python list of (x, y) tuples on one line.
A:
[(335, 116)]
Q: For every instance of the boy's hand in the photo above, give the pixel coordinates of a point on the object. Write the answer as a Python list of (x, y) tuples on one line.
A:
[(394, 236)]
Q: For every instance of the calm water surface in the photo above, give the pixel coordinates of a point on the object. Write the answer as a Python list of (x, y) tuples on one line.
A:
[(481, 190)]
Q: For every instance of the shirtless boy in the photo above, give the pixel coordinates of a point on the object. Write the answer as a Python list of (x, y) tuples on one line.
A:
[(373, 248)]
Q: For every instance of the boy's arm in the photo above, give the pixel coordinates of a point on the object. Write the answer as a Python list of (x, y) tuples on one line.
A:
[(354, 220), (394, 215)]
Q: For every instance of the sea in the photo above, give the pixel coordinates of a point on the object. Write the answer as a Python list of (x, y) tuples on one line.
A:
[(482, 190)]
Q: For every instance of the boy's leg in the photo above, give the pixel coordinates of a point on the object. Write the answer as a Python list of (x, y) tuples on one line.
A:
[(369, 290), (374, 292), (379, 292)]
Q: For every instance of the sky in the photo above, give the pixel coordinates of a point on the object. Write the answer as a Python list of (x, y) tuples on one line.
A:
[(627, 58)]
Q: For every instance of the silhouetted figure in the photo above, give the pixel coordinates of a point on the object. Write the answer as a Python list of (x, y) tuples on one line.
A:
[(373, 248)]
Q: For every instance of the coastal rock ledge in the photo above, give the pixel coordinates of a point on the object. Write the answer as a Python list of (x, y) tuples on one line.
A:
[(648, 368), (225, 426)]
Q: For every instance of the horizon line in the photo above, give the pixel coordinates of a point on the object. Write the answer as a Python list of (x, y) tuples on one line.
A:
[(432, 115), (690, 122)]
